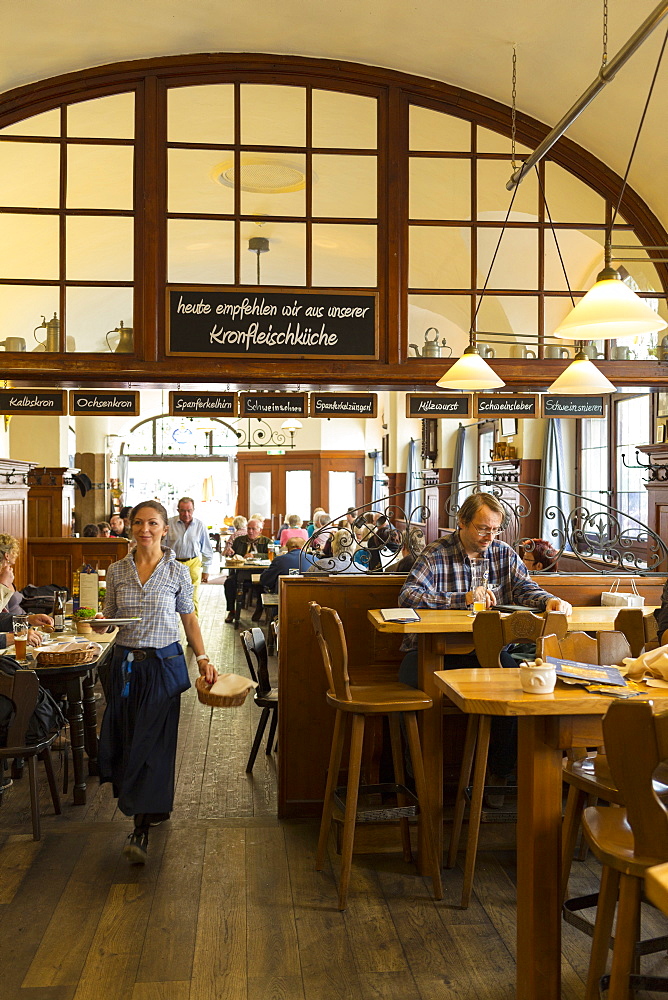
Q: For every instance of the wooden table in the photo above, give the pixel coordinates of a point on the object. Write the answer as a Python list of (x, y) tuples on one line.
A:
[(656, 886), (445, 632), (244, 571), (547, 725)]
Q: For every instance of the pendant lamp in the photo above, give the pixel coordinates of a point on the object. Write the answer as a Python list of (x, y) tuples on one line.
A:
[(609, 311), (470, 372), (581, 378)]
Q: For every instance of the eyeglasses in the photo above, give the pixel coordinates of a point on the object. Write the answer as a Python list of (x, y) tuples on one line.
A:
[(487, 531)]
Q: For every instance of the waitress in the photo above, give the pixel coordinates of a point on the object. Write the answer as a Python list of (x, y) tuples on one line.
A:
[(148, 673)]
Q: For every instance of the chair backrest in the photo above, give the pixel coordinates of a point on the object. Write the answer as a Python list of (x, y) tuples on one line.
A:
[(639, 629), (22, 690), (492, 631), (636, 742), (328, 628), (254, 645), (607, 647)]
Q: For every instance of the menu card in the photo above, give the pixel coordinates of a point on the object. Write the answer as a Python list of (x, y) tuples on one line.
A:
[(587, 673), (402, 615)]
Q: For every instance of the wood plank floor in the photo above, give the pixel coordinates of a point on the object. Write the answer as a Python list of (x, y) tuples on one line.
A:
[(229, 904)]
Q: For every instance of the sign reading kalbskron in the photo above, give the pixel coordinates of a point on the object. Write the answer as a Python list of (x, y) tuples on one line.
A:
[(34, 401), (297, 323), (453, 404), (493, 405), (104, 404), (343, 404), (203, 404)]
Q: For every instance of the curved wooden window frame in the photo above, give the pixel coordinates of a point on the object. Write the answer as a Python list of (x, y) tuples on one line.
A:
[(395, 92)]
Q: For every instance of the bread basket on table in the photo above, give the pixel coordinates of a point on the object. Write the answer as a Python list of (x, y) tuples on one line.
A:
[(66, 658), (229, 690)]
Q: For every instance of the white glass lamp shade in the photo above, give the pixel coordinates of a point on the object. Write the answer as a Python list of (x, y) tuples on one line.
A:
[(470, 372), (610, 310), (291, 424), (581, 378)]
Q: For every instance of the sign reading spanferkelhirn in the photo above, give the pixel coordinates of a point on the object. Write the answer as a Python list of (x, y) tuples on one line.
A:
[(233, 323), (204, 404)]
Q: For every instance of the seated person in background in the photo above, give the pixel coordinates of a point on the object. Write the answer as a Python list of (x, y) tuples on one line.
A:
[(345, 558), (539, 557), (281, 566), (441, 577), (382, 536), (293, 530), (244, 545), (240, 525), (321, 539), (310, 527), (125, 514), (90, 531), (117, 525), (413, 544), (104, 529), (10, 599)]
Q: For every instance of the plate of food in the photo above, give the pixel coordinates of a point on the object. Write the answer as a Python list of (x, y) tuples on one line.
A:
[(113, 621)]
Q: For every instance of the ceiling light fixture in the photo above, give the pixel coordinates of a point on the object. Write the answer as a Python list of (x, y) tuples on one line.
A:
[(582, 378), (258, 245)]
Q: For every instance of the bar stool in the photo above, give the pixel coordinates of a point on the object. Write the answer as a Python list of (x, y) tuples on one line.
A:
[(358, 701)]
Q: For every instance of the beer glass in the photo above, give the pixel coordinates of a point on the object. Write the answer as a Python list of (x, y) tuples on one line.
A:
[(20, 626)]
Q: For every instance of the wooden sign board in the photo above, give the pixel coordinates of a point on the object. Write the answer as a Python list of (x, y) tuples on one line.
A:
[(248, 323), (343, 404), (273, 404), (203, 404), (104, 404), (35, 402), (442, 404), (573, 406), (495, 405)]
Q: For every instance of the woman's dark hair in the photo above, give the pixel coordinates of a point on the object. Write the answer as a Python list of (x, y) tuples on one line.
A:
[(90, 531), (542, 553), (154, 505), (129, 511)]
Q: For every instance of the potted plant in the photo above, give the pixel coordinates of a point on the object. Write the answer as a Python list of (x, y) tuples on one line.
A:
[(82, 619)]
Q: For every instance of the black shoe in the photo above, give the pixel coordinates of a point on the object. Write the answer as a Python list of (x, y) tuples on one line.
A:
[(230, 618), (158, 818), (136, 847), (257, 615)]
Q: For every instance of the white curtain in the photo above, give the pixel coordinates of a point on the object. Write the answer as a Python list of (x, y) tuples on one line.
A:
[(413, 481), (379, 485), (458, 475), (553, 481)]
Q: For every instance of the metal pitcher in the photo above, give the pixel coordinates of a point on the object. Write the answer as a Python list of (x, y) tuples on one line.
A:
[(432, 348), (125, 343), (52, 343)]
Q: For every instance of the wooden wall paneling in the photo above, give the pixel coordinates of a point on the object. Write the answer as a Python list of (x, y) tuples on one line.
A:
[(54, 560), (14, 512), (50, 502)]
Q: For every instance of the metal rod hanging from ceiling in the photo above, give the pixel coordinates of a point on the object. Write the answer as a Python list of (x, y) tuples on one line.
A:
[(605, 75)]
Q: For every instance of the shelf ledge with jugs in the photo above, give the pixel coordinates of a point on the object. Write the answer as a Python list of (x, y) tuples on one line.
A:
[(51, 342)]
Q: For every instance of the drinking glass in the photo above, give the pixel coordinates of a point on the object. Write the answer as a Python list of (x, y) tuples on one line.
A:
[(20, 626), (479, 576)]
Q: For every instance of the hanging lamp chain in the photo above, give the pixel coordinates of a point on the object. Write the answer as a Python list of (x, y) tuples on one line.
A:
[(513, 112), (604, 57)]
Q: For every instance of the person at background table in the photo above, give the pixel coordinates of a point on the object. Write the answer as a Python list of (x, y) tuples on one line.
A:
[(281, 566), (293, 530), (10, 598), (441, 578), (252, 543), (321, 539), (346, 556), (240, 525), (104, 529), (90, 531), (189, 539), (117, 525), (539, 556), (413, 544), (125, 513), (148, 673), (310, 527)]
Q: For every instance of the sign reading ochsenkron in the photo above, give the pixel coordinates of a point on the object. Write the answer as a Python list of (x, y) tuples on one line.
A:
[(343, 404), (441, 405), (34, 401), (208, 322), (273, 404), (104, 403), (505, 406), (573, 406), (203, 404)]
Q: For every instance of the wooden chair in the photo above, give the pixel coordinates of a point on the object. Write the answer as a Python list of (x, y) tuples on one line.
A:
[(639, 629), (21, 690), (354, 701), (491, 632), (265, 697), (627, 842)]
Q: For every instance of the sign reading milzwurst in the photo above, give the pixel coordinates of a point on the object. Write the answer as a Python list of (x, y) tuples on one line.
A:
[(243, 323), (203, 404), (505, 406), (441, 405), (273, 404), (33, 401), (343, 404), (573, 406), (104, 403)]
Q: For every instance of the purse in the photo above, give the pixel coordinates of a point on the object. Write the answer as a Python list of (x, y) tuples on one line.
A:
[(614, 599)]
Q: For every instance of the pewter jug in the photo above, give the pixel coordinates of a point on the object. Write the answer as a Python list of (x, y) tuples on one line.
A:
[(432, 348), (126, 341), (52, 343)]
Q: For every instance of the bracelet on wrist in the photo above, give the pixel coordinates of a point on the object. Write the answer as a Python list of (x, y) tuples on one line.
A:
[(202, 656)]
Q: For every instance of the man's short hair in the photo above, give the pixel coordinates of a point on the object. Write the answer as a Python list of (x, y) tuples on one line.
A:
[(254, 520), (295, 521), (475, 502), (185, 500), (294, 543)]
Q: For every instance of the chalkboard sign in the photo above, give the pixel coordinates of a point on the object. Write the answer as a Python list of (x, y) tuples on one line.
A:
[(505, 406), (33, 401), (343, 404), (104, 403), (444, 404), (203, 404), (573, 406), (242, 323), (273, 404)]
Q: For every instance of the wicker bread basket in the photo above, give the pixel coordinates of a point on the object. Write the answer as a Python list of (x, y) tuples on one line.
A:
[(71, 658), (236, 696)]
